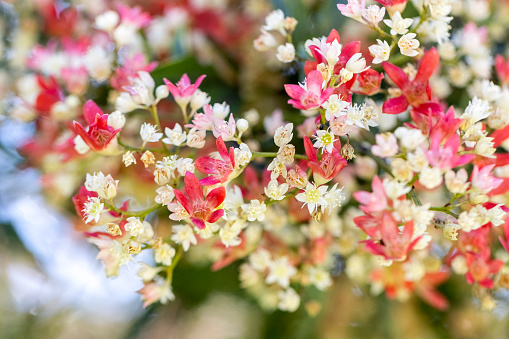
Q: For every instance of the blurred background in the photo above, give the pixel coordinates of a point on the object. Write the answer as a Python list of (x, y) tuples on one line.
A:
[(51, 285)]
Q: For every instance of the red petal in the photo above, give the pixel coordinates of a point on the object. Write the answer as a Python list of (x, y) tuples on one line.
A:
[(193, 188), (90, 111), (198, 223), (182, 199), (310, 150), (333, 35), (214, 216), (428, 65), (207, 165), (396, 74), (395, 105), (215, 197), (314, 82)]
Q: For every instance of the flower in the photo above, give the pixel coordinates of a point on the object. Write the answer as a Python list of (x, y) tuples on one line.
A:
[(283, 135), (196, 139), (275, 21), (164, 254), (165, 195), (330, 164), (356, 64), (408, 45), (324, 140), (289, 300), (99, 134), (397, 24), (334, 107), (286, 53), (134, 226), (223, 129), (280, 272), (183, 90), (92, 210), (275, 191), (128, 159), (386, 145), (149, 133), (243, 155), (220, 169), (255, 210), (200, 209), (310, 95), (174, 136), (373, 14), (482, 180), (320, 278), (313, 197), (183, 235), (353, 9), (381, 52)]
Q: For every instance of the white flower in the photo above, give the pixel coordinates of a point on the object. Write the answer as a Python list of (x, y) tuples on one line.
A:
[(229, 235), (232, 202), (496, 215), (395, 189), (280, 272), (457, 183), (164, 254), (278, 168), (275, 21), (260, 260), (242, 125), (289, 300), (196, 139), (476, 110), (373, 14), (398, 25), (254, 210), (408, 44), (116, 120), (243, 155), (490, 91), (92, 210), (178, 212), (165, 195), (142, 90), (220, 111), (276, 191), (199, 99), (430, 177), (410, 138), (320, 278), (124, 103), (185, 165), (175, 136), (356, 64), (264, 42), (324, 140), (149, 133), (386, 145), (108, 188), (283, 135), (124, 34), (334, 107), (128, 158), (134, 226), (162, 92), (356, 116), (148, 273), (313, 197), (286, 53), (334, 197), (107, 21), (286, 154), (184, 235), (94, 182), (484, 147), (381, 52), (330, 52)]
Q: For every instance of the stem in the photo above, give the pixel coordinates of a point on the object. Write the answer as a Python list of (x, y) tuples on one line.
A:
[(138, 149), (443, 209), (141, 214), (414, 198), (274, 155), (174, 263)]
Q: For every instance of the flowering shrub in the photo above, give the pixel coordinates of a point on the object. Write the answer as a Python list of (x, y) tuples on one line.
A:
[(370, 164)]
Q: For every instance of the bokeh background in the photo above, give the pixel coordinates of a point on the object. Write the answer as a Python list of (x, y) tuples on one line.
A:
[(51, 285)]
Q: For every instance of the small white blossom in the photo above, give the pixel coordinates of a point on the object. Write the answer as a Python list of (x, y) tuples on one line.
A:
[(408, 44), (334, 197), (313, 197), (164, 254), (116, 120), (289, 300), (324, 140), (174, 136), (243, 155), (334, 107), (277, 167), (275, 21), (80, 145), (286, 53), (373, 14), (275, 191), (165, 195), (254, 210), (107, 21), (260, 260), (283, 135), (381, 52), (356, 64), (149, 133), (128, 158), (134, 226), (398, 25), (430, 177), (185, 165), (320, 278), (92, 210), (280, 272), (184, 235), (457, 183)]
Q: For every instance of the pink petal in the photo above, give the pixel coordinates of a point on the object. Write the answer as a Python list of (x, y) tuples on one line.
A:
[(214, 216), (198, 223), (215, 197), (428, 65), (295, 91), (314, 82), (193, 188), (395, 105), (90, 111)]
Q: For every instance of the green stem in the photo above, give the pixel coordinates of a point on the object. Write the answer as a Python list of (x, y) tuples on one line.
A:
[(174, 263), (445, 210), (141, 214), (138, 149), (274, 155)]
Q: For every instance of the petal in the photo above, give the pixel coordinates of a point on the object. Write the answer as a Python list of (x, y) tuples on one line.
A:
[(193, 187), (221, 148), (215, 197), (314, 82), (295, 91), (198, 223), (86, 137), (207, 165), (428, 65), (395, 105), (90, 111), (209, 181), (214, 216), (310, 150), (182, 199), (396, 74)]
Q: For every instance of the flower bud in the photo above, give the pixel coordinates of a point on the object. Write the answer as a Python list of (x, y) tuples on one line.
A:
[(116, 120), (162, 92), (199, 99), (162, 176), (477, 198), (242, 125), (347, 152), (148, 273), (108, 189)]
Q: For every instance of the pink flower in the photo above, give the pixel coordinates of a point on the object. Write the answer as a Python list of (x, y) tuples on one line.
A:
[(50, 94), (203, 121), (223, 129), (446, 156), (220, 170), (353, 9), (99, 134), (200, 209), (481, 268), (502, 69), (330, 164), (483, 180), (415, 92), (133, 15), (368, 82), (183, 90), (372, 202), (130, 68), (393, 245), (311, 96)]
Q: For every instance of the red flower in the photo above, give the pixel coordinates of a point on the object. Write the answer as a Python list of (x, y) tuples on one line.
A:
[(393, 6), (199, 208), (310, 97), (415, 92), (367, 82), (220, 169), (49, 95), (330, 164), (99, 134), (481, 268)]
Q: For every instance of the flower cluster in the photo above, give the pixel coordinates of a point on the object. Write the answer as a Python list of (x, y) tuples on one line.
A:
[(370, 163)]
